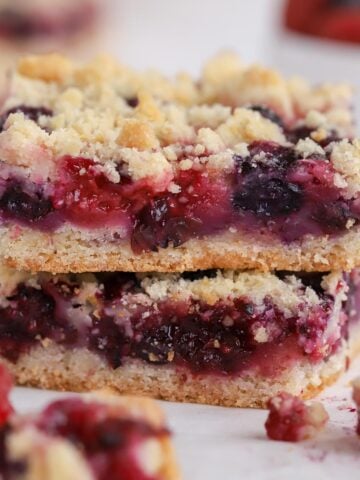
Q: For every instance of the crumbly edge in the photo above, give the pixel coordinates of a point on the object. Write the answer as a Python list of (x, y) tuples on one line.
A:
[(288, 294), (173, 119), (80, 370), (51, 458), (80, 251)]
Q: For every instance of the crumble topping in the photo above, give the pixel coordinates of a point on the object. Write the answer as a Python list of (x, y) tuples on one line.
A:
[(111, 114), (247, 126), (345, 157), (287, 294), (308, 147), (315, 119)]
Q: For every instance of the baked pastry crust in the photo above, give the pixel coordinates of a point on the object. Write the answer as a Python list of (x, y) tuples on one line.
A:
[(78, 251), (80, 370)]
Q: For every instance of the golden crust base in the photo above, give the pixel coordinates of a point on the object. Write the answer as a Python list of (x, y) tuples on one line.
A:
[(79, 251), (81, 371)]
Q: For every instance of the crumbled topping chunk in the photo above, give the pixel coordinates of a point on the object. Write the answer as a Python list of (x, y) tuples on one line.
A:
[(292, 420)]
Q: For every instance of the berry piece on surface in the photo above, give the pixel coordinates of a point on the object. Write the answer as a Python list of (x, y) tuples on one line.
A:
[(292, 420)]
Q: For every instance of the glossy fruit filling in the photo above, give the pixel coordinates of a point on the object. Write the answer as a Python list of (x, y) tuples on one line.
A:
[(273, 193), (110, 443), (120, 322)]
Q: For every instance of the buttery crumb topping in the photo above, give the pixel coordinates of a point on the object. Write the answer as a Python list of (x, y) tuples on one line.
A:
[(287, 293), (112, 114)]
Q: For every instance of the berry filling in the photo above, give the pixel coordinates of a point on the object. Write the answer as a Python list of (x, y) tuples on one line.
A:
[(120, 322), (273, 192)]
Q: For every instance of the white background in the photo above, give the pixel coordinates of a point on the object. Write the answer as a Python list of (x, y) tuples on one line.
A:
[(181, 35)]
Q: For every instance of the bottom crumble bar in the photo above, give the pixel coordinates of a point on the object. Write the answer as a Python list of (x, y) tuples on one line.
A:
[(97, 437), (224, 338)]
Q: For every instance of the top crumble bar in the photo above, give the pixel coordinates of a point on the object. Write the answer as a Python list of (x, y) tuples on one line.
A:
[(105, 169)]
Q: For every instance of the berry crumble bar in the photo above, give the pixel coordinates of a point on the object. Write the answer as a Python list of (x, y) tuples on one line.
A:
[(224, 338), (97, 437), (106, 169)]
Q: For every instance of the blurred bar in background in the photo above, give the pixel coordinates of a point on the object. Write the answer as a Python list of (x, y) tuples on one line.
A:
[(332, 19), (41, 26)]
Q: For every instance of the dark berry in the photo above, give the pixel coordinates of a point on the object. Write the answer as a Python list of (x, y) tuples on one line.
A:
[(20, 205), (333, 216), (32, 113), (155, 228), (156, 344), (268, 113), (108, 339), (133, 102), (269, 198), (30, 316)]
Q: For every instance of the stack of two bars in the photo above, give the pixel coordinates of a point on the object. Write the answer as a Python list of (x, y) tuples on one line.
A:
[(205, 186)]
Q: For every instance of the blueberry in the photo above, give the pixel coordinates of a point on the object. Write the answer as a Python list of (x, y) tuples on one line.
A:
[(333, 216), (268, 198), (155, 228), (133, 102), (156, 344), (18, 204), (106, 337), (298, 133), (268, 113), (272, 155), (32, 113)]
